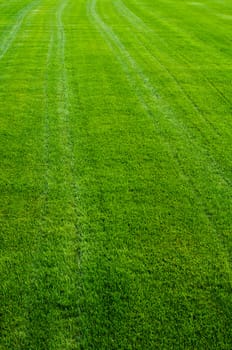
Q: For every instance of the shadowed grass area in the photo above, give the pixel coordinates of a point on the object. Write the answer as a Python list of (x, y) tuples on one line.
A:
[(116, 174)]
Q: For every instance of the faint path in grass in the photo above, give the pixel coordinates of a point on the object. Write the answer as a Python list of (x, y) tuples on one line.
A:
[(46, 121), (65, 106), (149, 97), (188, 38), (140, 33), (11, 35), (156, 108), (131, 67), (65, 110), (133, 71), (142, 29), (137, 23), (52, 300)]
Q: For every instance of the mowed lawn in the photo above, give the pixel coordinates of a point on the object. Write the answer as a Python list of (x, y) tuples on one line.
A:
[(116, 174)]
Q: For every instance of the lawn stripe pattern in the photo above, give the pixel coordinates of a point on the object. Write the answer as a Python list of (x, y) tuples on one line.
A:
[(10, 36), (116, 196)]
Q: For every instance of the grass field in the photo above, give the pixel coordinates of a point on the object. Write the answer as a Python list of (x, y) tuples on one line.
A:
[(116, 174)]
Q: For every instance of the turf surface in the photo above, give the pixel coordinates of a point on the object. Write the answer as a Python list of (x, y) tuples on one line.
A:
[(116, 174)]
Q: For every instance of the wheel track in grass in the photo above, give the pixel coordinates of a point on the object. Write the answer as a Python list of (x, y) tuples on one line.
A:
[(185, 34), (10, 37), (65, 109), (140, 82), (46, 120), (36, 290), (223, 95), (42, 241), (65, 94), (132, 17), (146, 83), (190, 39), (42, 274), (136, 22), (142, 85), (218, 238), (60, 191), (132, 70)]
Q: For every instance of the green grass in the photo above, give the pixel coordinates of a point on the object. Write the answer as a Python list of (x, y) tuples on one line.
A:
[(116, 174)]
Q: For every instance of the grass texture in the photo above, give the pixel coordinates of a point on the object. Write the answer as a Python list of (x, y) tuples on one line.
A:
[(116, 174)]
